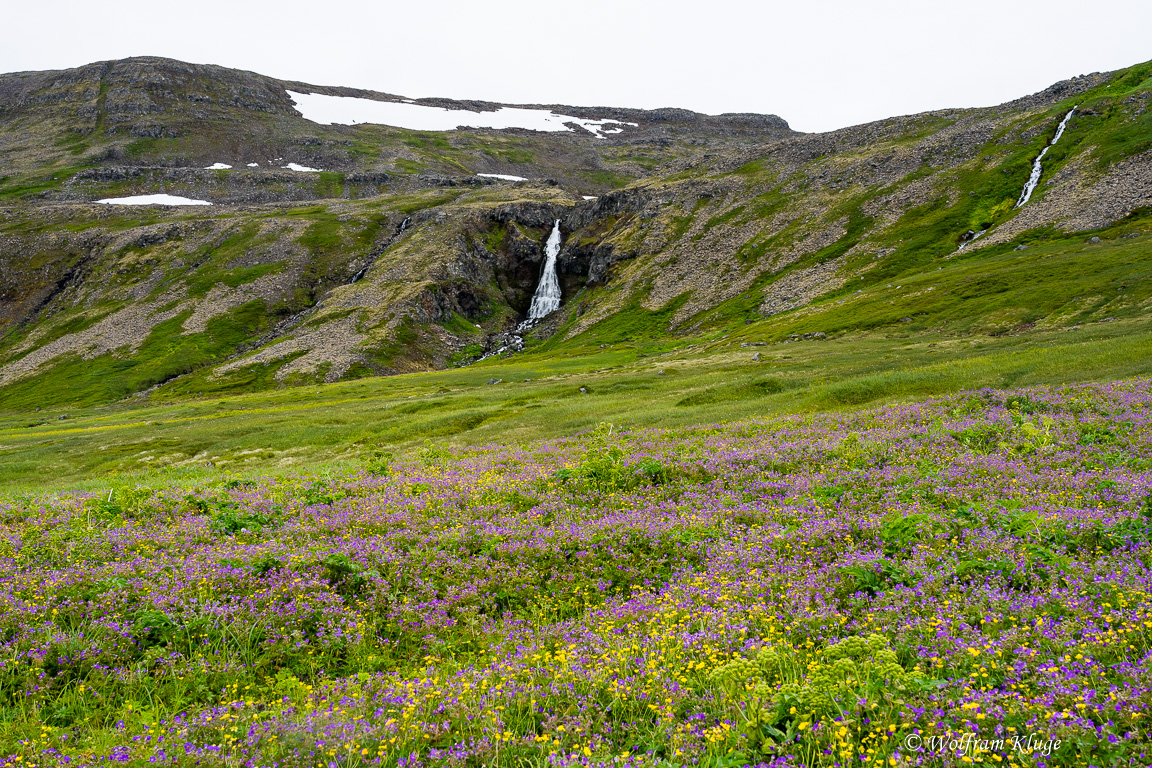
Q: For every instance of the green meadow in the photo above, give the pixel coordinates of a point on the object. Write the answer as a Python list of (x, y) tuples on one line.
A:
[(1063, 311)]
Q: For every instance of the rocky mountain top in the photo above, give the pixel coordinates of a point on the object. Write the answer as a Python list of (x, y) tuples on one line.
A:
[(147, 113)]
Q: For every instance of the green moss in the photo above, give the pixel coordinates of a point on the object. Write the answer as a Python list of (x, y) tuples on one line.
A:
[(403, 165), (759, 171), (633, 323), (644, 161), (410, 204), (74, 323), (73, 143), (144, 148), (718, 220), (322, 236), (678, 225), (432, 141), (330, 184), (494, 237), (252, 378), (406, 345), (466, 355), (612, 179), (510, 155), (460, 325), (201, 284), (214, 260), (36, 184)]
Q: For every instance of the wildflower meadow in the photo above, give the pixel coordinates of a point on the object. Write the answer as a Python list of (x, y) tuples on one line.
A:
[(959, 581)]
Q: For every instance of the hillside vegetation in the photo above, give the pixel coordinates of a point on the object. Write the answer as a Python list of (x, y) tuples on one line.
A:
[(731, 231), (1065, 311)]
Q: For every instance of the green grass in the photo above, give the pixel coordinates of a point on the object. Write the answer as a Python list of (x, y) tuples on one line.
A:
[(214, 260), (921, 320), (510, 155), (630, 384), (998, 290), (58, 327), (166, 353), (611, 179), (324, 234), (996, 317), (719, 219), (33, 185), (329, 184), (437, 142)]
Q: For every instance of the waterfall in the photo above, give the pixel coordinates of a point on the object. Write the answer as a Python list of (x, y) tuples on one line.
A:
[(975, 236), (1034, 179), (546, 300)]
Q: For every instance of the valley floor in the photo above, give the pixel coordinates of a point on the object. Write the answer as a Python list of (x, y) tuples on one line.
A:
[(958, 579), (715, 378)]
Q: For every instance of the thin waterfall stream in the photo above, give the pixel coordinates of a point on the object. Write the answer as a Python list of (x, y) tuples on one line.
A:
[(1034, 179)]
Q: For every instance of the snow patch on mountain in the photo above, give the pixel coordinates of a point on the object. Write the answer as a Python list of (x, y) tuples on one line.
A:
[(503, 176), (152, 200), (349, 110)]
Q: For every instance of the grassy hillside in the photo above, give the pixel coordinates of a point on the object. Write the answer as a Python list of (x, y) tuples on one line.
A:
[(851, 231), (1061, 312), (851, 256), (832, 454)]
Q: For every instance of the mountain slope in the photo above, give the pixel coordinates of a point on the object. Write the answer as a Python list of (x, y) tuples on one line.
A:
[(137, 123), (737, 229)]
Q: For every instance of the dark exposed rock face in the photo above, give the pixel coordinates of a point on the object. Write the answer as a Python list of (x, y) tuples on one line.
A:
[(531, 214), (516, 265), (439, 303)]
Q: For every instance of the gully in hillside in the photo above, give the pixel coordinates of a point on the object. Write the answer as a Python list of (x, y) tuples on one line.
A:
[(545, 301), (1034, 179)]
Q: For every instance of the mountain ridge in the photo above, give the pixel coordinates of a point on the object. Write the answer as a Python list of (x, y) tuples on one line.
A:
[(406, 260)]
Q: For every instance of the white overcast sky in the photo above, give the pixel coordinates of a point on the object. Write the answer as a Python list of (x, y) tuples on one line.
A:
[(819, 65)]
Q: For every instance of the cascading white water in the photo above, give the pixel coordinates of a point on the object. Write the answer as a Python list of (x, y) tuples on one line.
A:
[(975, 236), (546, 300), (1034, 179)]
